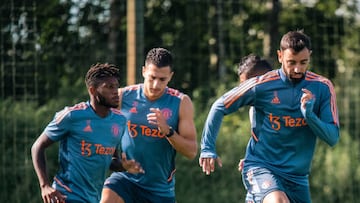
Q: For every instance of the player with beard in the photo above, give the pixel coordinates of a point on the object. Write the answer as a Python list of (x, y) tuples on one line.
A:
[(89, 134), (294, 107)]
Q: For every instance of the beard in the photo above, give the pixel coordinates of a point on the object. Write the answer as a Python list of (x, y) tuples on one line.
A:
[(296, 80), (101, 100)]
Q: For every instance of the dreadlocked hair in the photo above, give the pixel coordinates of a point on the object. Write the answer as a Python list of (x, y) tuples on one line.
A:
[(100, 71)]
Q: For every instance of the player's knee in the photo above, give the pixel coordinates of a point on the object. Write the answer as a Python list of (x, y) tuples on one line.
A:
[(109, 196), (276, 197)]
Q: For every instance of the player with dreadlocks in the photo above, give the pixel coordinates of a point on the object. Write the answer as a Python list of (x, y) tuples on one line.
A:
[(89, 134)]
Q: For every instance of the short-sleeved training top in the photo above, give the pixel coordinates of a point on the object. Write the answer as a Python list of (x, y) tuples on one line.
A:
[(87, 143)]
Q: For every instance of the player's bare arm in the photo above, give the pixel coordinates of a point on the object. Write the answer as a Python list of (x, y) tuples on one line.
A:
[(48, 193), (183, 141)]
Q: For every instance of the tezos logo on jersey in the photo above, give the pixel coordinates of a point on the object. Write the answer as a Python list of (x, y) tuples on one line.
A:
[(288, 121)]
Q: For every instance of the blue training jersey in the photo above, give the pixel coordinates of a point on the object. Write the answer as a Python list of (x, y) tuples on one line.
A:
[(144, 142), (281, 140), (87, 143)]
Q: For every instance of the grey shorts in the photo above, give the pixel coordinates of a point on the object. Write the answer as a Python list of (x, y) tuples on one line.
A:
[(260, 181)]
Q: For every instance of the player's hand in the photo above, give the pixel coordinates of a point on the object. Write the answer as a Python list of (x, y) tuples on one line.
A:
[(208, 164), (131, 165), (157, 119), (50, 195), (307, 102), (241, 165)]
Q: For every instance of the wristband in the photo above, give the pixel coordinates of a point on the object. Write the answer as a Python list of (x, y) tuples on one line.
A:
[(171, 132)]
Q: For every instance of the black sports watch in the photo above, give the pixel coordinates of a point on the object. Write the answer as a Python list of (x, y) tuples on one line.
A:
[(171, 132)]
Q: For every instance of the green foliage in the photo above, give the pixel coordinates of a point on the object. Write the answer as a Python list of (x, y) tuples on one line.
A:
[(20, 125), (336, 167), (192, 185)]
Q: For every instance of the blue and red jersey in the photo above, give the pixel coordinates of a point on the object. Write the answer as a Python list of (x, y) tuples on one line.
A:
[(282, 140), (144, 142), (87, 144)]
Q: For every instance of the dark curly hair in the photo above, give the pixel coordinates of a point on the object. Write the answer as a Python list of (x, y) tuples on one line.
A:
[(99, 71)]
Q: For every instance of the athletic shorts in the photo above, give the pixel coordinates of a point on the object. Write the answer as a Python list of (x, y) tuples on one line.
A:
[(132, 193), (73, 201), (260, 181)]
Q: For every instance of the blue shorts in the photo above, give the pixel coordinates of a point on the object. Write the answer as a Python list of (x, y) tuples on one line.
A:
[(131, 192), (260, 181)]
